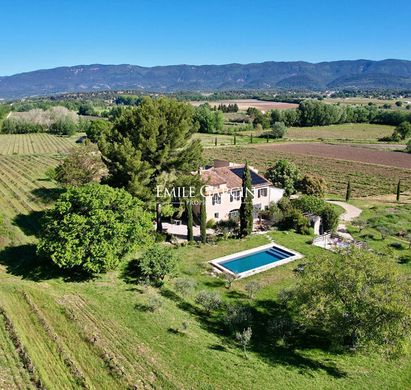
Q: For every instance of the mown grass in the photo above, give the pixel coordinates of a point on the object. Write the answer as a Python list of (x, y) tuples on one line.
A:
[(107, 332)]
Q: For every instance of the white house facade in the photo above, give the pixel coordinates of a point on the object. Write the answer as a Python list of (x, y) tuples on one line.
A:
[(223, 190)]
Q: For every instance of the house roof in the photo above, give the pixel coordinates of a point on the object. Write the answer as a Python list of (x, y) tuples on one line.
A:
[(231, 176)]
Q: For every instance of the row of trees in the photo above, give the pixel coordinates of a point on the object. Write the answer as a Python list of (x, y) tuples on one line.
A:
[(56, 120), (317, 113)]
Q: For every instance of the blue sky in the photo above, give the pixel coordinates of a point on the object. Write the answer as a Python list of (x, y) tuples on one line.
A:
[(45, 34)]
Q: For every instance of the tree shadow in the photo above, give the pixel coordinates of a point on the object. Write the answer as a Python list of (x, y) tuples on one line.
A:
[(23, 261), (29, 224), (47, 195), (266, 341)]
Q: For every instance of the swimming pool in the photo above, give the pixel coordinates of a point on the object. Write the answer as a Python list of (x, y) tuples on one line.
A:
[(255, 260)]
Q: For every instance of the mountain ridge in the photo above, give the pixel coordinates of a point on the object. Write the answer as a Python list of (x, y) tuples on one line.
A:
[(290, 75)]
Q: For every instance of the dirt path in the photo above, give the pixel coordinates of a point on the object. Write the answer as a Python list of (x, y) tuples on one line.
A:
[(351, 212)]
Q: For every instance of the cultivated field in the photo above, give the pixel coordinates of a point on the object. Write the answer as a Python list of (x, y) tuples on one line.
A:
[(367, 179), (343, 152), (35, 144), (243, 104), (23, 183)]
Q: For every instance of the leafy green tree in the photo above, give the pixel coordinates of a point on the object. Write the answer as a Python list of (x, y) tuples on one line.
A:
[(83, 165), (357, 300), (278, 130), (63, 127), (208, 121), (409, 146), (93, 228), (246, 208), (284, 174), (95, 128), (150, 141), (403, 130), (313, 185), (157, 262)]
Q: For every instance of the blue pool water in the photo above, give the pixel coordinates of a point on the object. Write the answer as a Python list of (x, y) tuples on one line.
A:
[(255, 260)]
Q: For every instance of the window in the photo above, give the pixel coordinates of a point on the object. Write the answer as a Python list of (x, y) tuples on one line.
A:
[(216, 199), (262, 192), (235, 195), (216, 215)]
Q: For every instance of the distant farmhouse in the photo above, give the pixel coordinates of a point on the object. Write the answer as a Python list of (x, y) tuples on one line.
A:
[(224, 189)]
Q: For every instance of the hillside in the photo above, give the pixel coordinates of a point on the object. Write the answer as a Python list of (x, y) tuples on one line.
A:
[(300, 75)]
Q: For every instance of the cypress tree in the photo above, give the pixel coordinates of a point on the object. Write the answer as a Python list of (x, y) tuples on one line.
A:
[(215, 141), (348, 192), (246, 209), (251, 138), (398, 190), (235, 139), (203, 221), (189, 211)]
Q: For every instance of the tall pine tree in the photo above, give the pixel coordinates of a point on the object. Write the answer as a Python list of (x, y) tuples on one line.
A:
[(246, 208), (150, 141)]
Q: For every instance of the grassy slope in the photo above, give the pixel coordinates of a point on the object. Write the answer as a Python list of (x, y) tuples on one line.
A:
[(146, 346), (99, 333)]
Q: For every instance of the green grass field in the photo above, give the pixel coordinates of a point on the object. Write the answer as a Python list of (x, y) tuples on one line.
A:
[(350, 132), (60, 331)]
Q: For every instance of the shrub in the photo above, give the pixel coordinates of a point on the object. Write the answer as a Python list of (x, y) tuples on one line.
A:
[(227, 227), (278, 130), (157, 262), (83, 165), (185, 286), (237, 317), (94, 227), (208, 300), (252, 288), (403, 130), (358, 300), (244, 339), (313, 185), (329, 218), (409, 146)]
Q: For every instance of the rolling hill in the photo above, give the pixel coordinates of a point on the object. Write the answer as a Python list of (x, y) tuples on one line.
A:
[(365, 74)]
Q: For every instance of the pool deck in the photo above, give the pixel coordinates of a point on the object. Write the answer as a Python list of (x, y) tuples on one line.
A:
[(217, 262)]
